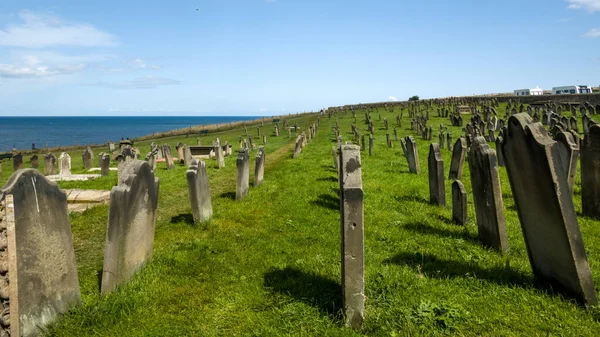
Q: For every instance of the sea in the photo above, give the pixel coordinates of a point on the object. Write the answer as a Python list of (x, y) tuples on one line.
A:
[(22, 132)]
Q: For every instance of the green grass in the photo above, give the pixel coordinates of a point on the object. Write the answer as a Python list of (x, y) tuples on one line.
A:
[(269, 265)]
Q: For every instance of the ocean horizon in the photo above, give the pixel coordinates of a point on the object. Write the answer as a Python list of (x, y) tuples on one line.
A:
[(53, 131)]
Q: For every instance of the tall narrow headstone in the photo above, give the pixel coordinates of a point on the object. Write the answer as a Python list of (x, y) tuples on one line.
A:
[(37, 255), (569, 156), (49, 164), (17, 161), (187, 155), (459, 203), (259, 169), (243, 173), (590, 172), (352, 228), (545, 208), (437, 192), (458, 159), (199, 191), (131, 218), (104, 164), (87, 158), (64, 164), (166, 150), (370, 144), (487, 195), (412, 155)]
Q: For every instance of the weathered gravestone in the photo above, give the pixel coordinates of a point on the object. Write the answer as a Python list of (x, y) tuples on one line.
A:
[(569, 156), (219, 156), (64, 164), (187, 155), (179, 149), (49, 164), (298, 147), (37, 258), (87, 158), (352, 221), (539, 184), (459, 203), (199, 191), (151, 159), (487, 195), (34, 161), (166, 151), (104, 164), (370, 144), (17, 161), (131, 218), (499, 153), (259, 169), (243, 174), (590, 172), (458, 159), (412, 155), (437, 192)]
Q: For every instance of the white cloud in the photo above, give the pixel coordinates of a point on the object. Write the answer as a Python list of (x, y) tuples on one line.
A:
[(146, 82), (593, 33), (392, 99), (589, 5), (43, 30), (45, 64)]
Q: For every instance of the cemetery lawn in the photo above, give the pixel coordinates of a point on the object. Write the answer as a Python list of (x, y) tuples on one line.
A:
[(269, 265)]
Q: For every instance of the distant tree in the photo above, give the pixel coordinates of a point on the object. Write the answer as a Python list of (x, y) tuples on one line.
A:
[(414, 98)]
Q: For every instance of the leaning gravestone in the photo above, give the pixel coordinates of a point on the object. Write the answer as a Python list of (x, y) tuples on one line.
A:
[(17, 161), (459, 203), (259, 170), (87, 158), (37, 258), (34, 161), (187, 155), (569, 156), (104, 164), (458, 159), (243, 172), (166, 150), (412, 155), (49, 164), (131, 217), (487, 195), (590, 172), (199, 191), (64, 164), (352, 226), (437, 192), (541, 191)]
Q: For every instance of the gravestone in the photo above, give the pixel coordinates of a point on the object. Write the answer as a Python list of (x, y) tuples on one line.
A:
[(362, 143), (569, 156), (219, 155), (437, 192), (199, 191), (590, 172), (87, 159), (459, 203), (545, 208), (298, 147), (166, 151), (499, 153), (37, 255), (458, 159), (370, 144), (131, 218), (412, 155), (17, 161), (259, 169), (49, 164), (351, 223), (151, 159), (179, 149), (64, 164), (34, 161), (487, 195), (449, 141), (243, 174), (187, 155), (104, 164)]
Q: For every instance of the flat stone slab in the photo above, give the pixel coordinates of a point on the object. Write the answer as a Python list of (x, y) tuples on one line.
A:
[(73, 177), (80, 200), (97, 169), (162, 160)]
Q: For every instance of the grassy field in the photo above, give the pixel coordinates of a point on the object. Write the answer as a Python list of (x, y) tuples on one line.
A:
[(269, 265)]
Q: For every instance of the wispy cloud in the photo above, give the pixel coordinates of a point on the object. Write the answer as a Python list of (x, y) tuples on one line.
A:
[(45, 64), (588, 5), (146, 82), (392, 99), (134, 65), (39, 30), (593, 33)]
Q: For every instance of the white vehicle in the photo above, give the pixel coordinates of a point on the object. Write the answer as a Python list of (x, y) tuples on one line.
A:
[(572, 89), (529, 92)]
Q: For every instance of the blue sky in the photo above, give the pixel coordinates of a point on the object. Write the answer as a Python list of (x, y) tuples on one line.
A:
[(248, 57)]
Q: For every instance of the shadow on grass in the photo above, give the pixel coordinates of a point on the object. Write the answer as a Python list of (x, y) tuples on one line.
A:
[(422, 228), (186, 218), (332, 179), (312, 289), (441, 268), (228, 195), (412, 198), (327, 201)]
